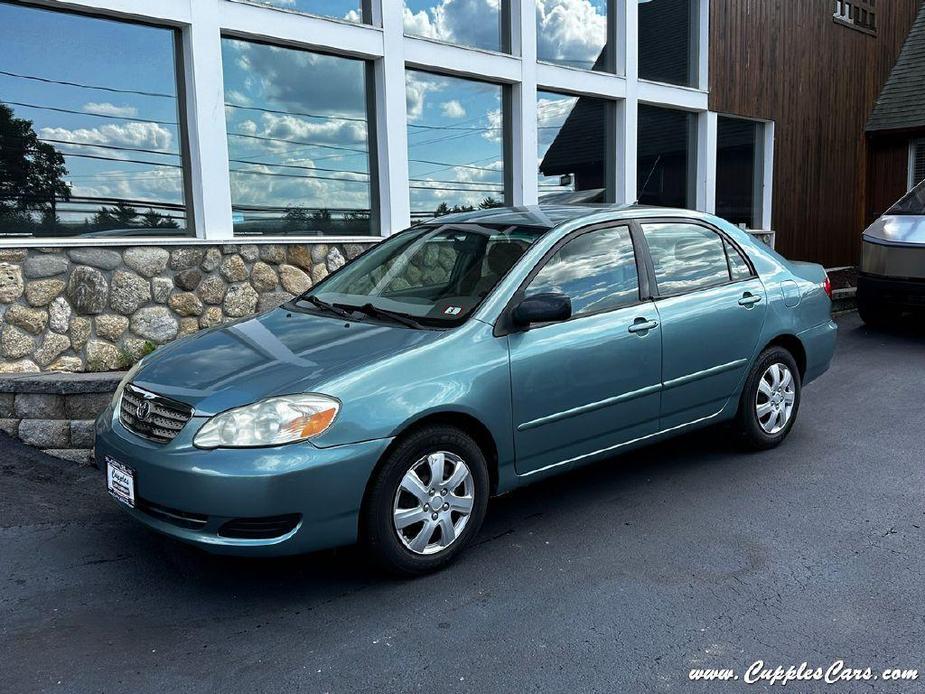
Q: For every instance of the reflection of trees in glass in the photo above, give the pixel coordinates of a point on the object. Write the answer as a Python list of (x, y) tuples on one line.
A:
[(298, 220), (155, 220), (31, 175), (124, 216), (487, 203)]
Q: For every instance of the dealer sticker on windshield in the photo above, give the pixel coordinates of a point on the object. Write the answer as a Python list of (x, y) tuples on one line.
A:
[(120, 480), (453, 310)]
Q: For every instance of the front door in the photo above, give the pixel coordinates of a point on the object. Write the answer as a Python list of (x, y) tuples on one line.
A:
[(712, 308), (590, 383)]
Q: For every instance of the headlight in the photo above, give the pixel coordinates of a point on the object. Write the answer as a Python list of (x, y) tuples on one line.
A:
[(269, 422)]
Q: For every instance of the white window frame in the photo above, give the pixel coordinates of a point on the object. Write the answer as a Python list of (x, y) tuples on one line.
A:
[(914, 144), (202, 23)]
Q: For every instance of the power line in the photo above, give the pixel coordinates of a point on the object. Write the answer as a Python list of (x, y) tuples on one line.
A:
[(285, 175), (298, 142), (114, 90), (263, 109), (120, 148), (296, 166), (454, 127), (84, 113), (127, 161)]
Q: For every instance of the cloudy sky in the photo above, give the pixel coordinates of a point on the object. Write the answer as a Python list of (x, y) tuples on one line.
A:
[(296, 120)]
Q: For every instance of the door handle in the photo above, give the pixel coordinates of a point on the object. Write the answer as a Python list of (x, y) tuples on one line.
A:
[(749, 300), (642, 325)]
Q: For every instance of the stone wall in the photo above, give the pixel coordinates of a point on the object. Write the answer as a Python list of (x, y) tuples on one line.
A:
[(102, 308), (56, 412)]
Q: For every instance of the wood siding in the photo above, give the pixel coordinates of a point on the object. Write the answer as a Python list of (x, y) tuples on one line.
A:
[(788, 61), (887, 172)]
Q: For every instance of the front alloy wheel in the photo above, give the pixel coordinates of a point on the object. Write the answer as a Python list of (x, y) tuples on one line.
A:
[(426, 500), (433, 503)]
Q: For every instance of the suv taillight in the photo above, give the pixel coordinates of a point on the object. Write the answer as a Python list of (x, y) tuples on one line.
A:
[(827, 286)]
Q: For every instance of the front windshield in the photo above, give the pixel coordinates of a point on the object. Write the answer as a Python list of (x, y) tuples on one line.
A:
[(912, 202), (434, 274)]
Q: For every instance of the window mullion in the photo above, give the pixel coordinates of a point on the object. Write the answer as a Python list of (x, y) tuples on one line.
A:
[(523, 186), (209, 177), (392, 122)]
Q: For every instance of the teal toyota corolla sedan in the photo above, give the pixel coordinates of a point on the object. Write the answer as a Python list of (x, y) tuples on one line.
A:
[(460, 359)]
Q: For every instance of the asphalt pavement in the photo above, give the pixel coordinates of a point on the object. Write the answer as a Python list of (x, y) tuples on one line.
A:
[(620, 577)]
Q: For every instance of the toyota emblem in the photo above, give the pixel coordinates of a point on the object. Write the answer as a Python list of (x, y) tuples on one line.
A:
[(144, 411)]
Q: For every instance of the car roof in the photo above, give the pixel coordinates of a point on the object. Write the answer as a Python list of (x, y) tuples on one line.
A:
[(549, 216)]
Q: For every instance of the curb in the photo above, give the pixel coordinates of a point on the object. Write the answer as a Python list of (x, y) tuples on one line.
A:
[(844, 300)]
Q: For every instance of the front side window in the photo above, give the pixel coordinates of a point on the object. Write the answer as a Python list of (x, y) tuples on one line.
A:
[(298, 141), (686, 257), (455, 144), (596, 270), (435, 275), (90, 136)]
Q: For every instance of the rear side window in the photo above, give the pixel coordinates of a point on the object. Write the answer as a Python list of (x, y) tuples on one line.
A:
[(596, 270), (686, 257)]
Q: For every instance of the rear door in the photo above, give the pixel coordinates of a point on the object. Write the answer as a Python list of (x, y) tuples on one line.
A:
[(712, 308), (587, 384)]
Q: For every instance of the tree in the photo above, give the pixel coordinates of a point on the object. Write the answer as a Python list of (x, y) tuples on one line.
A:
[(490, 202), (31, 173)]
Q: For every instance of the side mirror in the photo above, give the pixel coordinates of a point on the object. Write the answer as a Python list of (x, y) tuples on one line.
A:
[(542, 308)]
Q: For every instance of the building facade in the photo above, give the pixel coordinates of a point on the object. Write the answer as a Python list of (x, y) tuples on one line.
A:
[(168, 166), (896, 129)]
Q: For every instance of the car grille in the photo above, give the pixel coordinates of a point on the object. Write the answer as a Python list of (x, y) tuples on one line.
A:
[(184, 519), (164, 417), (260, 528)]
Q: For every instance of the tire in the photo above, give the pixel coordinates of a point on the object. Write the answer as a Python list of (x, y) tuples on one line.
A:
[(401, 551), (763, 407), (878, 315)]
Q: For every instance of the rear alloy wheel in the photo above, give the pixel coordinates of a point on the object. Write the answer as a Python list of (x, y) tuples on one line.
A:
[(770, 399), (775, 398), (426, 501)]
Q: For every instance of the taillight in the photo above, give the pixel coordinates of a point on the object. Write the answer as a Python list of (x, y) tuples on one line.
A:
[(827, 286)]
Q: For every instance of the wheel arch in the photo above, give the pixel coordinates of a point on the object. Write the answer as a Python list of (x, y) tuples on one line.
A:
[(792, 344), (464, 421)]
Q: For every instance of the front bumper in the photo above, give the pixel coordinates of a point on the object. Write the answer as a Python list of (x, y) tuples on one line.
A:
[(324, 486), (901, 292)]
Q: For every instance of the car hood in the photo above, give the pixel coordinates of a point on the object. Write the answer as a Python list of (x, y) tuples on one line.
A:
[(276, 353)]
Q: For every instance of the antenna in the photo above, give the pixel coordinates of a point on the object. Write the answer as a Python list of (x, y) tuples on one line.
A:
[(648, 178)]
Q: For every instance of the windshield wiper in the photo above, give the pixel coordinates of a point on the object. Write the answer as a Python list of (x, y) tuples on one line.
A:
[(376, 312), (312, 299)]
